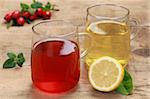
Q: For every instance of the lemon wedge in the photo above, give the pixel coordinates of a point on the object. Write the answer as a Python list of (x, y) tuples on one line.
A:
[(106, 74)]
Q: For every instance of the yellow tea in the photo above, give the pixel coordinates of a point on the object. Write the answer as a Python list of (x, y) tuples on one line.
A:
[(110, 38)]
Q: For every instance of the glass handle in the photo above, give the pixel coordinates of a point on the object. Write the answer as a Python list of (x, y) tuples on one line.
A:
[(134, 28), (85, 51)]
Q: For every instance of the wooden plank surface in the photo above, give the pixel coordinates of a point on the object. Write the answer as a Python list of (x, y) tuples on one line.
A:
[(16, 83)]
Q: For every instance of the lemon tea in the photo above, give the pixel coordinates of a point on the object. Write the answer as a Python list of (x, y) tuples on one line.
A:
[(110, 38)]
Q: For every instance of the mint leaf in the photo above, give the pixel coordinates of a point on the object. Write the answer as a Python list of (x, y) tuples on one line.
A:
[(127, 81), (20, 59), (47, 6), (24, 7), (13, 60), (11, 55), (9, 63), (121, 89), (36, 5), (126, 86)]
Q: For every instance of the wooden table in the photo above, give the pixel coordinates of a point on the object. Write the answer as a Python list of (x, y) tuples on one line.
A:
[(16, 83)]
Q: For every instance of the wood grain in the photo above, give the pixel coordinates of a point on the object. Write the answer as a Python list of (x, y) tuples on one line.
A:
[(16, 83)]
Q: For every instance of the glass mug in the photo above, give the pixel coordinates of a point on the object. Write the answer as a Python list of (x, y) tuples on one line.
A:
[(109, 26), (55, 58)]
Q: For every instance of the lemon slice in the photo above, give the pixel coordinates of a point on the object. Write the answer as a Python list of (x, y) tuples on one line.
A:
[(106, 74), (93, 27)]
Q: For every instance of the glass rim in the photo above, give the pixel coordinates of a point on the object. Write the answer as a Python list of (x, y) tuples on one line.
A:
[(60, 35), (113, 5)]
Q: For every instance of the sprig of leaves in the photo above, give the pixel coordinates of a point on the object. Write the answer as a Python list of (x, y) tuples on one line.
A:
[(14, 60), (35, 5), (32, 15), (126, 86)]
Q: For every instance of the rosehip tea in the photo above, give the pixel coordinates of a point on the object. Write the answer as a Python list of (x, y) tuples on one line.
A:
[(55, 65), (55, 59)]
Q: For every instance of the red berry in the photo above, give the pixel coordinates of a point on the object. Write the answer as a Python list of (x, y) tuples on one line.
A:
[(20, 21), (26, 14), (16, 14), (8, 17), (33, 17), (39, 12), (46, 14)]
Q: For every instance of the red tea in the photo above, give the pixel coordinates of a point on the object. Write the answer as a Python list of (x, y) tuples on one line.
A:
[(55, 65)]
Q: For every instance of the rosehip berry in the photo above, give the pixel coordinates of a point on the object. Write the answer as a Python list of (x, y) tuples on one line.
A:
[(33, 17), (16, 14), (39, 12), (8, 17), (20, 21), (26, 14), (46, 14)]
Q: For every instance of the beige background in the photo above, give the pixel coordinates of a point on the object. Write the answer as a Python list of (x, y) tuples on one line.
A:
[(16, 83)]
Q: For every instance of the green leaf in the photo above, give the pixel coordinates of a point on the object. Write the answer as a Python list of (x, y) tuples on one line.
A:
[(121, 89), (126, 86), (127, 81), (11, 55), (9, 63), (47, 6), (36, 5), (20, 59), (9, 24), (24, 7), (20, 55)]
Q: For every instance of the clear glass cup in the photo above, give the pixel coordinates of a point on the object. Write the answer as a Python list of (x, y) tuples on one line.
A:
[(55, 58), (110, 28)]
